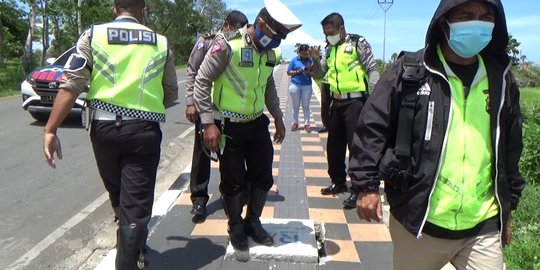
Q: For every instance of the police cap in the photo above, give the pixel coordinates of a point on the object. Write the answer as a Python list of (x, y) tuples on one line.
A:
[(278, 18)]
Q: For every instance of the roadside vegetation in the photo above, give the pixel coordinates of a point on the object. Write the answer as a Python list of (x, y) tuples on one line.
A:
[(524, 252), (33, 30)]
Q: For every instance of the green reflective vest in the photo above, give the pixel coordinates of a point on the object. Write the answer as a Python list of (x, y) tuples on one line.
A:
[(239, 92), (345, 74), (129, 60), (464, 193)]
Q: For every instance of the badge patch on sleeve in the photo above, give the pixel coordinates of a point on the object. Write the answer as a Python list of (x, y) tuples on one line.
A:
[(200, 44), (75, 62), (216, 47)]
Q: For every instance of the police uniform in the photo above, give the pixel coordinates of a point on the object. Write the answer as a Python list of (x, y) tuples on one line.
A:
[(350, 70), (127, 96), (200, 164), (242, 77)]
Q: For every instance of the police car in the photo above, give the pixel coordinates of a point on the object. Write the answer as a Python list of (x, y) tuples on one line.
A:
[(40, 87)]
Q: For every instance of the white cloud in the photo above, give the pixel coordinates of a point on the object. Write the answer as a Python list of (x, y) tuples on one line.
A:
[(299, 36)]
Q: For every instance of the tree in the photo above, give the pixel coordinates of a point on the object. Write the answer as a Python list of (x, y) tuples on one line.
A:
[(44, 10), (213, 13), (512, 49), (12, 30), (393, 58), (27, 58)]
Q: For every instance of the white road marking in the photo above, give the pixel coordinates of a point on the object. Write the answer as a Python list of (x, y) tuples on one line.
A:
[(181, 81), (160, 209), (162, 206), (25, 259)]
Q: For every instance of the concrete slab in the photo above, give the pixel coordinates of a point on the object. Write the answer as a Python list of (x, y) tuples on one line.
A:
[(294, 241)]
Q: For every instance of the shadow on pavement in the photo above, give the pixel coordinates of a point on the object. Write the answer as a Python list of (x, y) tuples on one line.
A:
[(195, 254)]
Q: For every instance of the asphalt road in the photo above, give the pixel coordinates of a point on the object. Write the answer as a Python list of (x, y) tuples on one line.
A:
[(61, 219)]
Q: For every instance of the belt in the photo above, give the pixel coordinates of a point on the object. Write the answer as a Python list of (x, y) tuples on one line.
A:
[(348, 95), (107, 116), (218, 116)]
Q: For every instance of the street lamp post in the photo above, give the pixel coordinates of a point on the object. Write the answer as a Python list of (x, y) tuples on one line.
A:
[(385, 5)]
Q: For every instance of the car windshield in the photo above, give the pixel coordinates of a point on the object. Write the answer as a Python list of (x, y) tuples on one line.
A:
[(62, 59)]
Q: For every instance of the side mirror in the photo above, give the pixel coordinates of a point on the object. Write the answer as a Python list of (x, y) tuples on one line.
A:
[(50, 61)]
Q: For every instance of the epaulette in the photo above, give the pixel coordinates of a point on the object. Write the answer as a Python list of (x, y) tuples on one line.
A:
[(357, 38), (208, 36), (231, 34)]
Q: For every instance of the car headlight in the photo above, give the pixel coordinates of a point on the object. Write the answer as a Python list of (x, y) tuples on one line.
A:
[(31, 80)]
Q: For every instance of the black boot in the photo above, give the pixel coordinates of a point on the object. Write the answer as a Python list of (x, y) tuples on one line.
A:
[(253, 227), (233, 208), (129, 245), (116, 211)]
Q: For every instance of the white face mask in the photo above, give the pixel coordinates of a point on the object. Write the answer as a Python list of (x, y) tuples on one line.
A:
[(335, 39)]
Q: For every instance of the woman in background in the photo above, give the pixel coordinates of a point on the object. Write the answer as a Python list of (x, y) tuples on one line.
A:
[(300, 87)]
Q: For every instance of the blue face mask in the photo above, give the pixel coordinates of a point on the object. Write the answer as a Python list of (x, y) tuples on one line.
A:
[(266, 41), (469, 38)]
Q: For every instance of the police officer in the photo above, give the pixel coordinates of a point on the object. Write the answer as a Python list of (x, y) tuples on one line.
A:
[(132, 79), (200, 164), (235, 127), (349, 69)]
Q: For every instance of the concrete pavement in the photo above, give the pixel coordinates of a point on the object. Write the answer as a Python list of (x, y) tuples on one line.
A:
[(311, 231)]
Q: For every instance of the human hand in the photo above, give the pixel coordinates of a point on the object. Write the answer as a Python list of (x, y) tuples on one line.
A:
[(51, 144), (369, 206), (211, 136), (191, 113), (279, 136)]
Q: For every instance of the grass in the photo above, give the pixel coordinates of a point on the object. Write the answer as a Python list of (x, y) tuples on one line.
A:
[(524, 251), (11, 76)]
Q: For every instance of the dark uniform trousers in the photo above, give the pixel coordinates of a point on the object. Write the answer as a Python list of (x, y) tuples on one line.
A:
[(325, 103), (246, 162), (127, 155), (200, 169), (344, 113)]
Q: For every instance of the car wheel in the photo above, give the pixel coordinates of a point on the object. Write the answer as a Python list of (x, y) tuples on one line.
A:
[(40, 117)]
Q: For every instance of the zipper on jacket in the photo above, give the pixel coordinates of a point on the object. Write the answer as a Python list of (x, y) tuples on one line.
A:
[(497, 139), (335, 68), (463, 134), (419, 234), (258, 84)]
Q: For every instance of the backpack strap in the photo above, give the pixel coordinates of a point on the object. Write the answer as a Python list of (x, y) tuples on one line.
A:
[(411, 77)]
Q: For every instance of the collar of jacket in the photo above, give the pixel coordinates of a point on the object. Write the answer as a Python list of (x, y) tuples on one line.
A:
[(125, 18)]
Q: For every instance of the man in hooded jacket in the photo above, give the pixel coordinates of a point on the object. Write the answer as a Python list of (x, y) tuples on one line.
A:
[(452, 203)]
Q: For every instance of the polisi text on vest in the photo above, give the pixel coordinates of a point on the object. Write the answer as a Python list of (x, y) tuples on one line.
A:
[(130, 36)]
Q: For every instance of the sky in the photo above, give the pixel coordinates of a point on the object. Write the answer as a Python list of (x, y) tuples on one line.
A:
[(406, 23)]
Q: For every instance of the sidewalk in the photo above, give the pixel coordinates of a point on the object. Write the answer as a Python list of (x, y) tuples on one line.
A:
[(345, 242)]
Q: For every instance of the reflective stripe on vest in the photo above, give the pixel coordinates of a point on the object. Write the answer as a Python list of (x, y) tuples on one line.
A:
[(239, 92), (128, 75), (345, 74), (464, 194)]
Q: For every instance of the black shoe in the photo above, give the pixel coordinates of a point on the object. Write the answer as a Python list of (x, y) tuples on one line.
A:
[(323, 129), (334, 189), (198, 209), (199, 213), (254, 229), (238, 237), (350, 203)]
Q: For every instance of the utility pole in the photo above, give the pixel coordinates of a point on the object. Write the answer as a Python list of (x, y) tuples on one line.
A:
[(385, 5)]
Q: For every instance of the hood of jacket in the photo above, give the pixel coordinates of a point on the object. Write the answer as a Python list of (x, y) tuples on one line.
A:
[(495, 50)]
